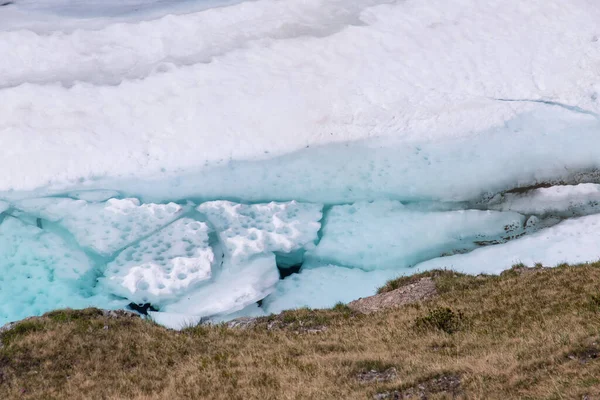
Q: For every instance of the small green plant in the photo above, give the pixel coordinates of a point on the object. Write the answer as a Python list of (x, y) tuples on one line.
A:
[(21, 329), (341, 307), (68, 315), (441, 318), (595, 302)]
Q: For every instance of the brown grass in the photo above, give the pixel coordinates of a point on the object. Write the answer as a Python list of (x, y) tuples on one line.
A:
[(533, 335)]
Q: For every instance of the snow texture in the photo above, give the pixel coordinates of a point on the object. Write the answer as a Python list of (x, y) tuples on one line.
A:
[(248, 230), (103, 227), (163, 266), (232, 290), (158, 96)]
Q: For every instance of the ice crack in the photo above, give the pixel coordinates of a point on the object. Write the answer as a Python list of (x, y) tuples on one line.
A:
[(569, 107)]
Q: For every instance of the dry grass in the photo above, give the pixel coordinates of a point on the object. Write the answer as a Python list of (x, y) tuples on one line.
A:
[(533, 335)]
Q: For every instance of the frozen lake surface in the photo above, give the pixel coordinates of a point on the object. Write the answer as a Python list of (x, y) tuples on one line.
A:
[(218, 159)]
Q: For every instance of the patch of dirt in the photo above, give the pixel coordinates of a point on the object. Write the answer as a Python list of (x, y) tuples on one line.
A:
[(111, 314), (523, 270), (585, 354), (298, 327), (411, 293), (118, 314), (374, 376), (525, 189), (242, 323), (449, 384), (279, 322)]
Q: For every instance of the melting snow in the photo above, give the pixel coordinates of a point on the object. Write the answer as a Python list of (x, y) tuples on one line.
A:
[(356, 139)]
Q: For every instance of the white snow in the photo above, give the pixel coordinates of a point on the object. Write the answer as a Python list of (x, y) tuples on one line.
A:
[(407, 71), (568, 200), (164, 266), (103, 227), (384, 235), (572, 241), (248, 230)]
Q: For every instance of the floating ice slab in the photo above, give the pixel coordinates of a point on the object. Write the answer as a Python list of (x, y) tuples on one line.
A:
[(163, 266), (384, 234), (247, 230), (232, 290), (39, 272), (565, 201), (103, 227), (324, 287), (571, 241)]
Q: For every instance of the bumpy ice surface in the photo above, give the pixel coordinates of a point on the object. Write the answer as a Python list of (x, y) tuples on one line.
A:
[(228, 158)]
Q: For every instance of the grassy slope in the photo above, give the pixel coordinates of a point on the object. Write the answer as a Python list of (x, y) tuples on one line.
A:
[(533, 334)]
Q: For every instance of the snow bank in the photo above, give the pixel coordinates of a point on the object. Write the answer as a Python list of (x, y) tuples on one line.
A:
[(150, 99), (572, 241)]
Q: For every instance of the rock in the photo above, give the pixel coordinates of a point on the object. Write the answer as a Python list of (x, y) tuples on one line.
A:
[(374, 376), (120, 314), (242, 323), (412, 293), (448, 384)]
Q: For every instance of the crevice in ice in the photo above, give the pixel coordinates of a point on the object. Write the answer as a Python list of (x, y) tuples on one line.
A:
[(568, 107), (142, 308), (284, 272)]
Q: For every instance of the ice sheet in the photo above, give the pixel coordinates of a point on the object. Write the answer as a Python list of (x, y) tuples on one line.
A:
[(104, 227), (324, 287), (385, 235), (164, 266), (39, 272), (232, 290), (248, 230)]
